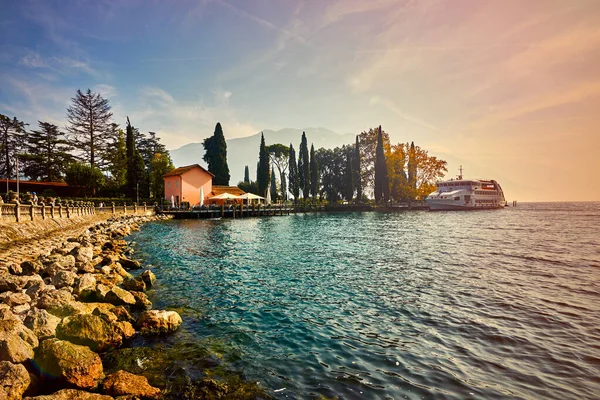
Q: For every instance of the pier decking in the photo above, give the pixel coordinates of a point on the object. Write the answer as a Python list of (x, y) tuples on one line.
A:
[(230, 212)]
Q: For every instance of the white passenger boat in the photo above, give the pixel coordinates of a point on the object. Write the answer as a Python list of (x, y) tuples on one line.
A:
[(466, 194)]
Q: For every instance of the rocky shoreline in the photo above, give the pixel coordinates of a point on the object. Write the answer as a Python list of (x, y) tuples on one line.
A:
[(60, 311)]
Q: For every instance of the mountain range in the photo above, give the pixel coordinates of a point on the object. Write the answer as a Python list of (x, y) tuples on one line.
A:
[(244, 151)]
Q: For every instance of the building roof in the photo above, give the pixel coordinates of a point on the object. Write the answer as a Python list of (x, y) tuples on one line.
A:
[(217, 190), (183, 170), (39, 183)]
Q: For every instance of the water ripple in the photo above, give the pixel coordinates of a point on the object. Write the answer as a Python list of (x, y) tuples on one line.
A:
[(412, 305)]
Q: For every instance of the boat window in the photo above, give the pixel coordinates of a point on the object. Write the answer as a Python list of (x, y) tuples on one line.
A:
[(457, 198)]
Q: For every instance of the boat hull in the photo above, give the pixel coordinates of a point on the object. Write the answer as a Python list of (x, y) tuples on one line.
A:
[(439, 206)]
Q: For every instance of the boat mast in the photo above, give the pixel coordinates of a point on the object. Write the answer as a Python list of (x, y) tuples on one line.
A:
[(460, 175)]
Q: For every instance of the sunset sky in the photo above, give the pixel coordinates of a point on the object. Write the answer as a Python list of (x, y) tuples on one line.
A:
[(509, 89)]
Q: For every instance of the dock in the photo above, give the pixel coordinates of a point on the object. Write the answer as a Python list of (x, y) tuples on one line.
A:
[(229, 211)]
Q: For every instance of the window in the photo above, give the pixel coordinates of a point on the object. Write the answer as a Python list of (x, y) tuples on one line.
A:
[(169, 184), (176, 183)]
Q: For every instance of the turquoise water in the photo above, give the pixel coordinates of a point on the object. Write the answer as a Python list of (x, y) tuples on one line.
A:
[(483, 304)]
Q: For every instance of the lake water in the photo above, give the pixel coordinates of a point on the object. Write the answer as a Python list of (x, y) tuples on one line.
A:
[(482, 304)]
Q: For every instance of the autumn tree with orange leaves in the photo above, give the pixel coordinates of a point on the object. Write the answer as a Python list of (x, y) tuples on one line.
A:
[(412, 172)]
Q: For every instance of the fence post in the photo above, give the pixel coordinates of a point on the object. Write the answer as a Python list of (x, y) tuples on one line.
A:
[(68, 211), (113, 208), (43, 211), (18, 212), (124, 208), (31, 211), (135, 208), (145, 208), (52, 211)]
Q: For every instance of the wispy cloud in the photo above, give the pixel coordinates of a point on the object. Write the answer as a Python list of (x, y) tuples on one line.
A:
[(180, 122), (390, 105), (176, 59), (263, 22), (62, 65)]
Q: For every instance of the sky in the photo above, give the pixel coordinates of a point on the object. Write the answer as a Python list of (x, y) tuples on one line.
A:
[(508, 89)]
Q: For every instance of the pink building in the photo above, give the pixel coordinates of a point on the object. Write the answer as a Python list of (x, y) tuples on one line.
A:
[(184, 185)]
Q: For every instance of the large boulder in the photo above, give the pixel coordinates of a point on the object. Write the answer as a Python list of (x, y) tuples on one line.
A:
[(83, 254), (34, 290), (85, 285), (148, 277), (64, 279), (42, 323), (52, 300), (14, 380), (124, 328), (90, 330), (156, 322), (123, 383), (128, 263), (137, 284), (17, 342), (17, 299), (73, 364), (71, 394), (12, 283), (31, 267), (141, 301), (119, 297)]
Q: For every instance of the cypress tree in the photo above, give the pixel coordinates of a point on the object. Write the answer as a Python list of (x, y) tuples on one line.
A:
[(349, 176), (382, 186), (357, 177), (314, 172), (293, 184), (246, 175), (136, 169), (284, 194), (412, 166), (262, 178), (118, 165), (215, 156), (274, 195), (303, 167)]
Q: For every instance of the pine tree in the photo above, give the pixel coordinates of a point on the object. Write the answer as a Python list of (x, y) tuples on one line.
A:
[(382, 186), (293, 184), (357, 177), (47, 154), (314, 173), (263, 178), (273, 188), (303, 167), (246, 175), (215, 156), (11, 131), (89, 123), (280, 156)]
